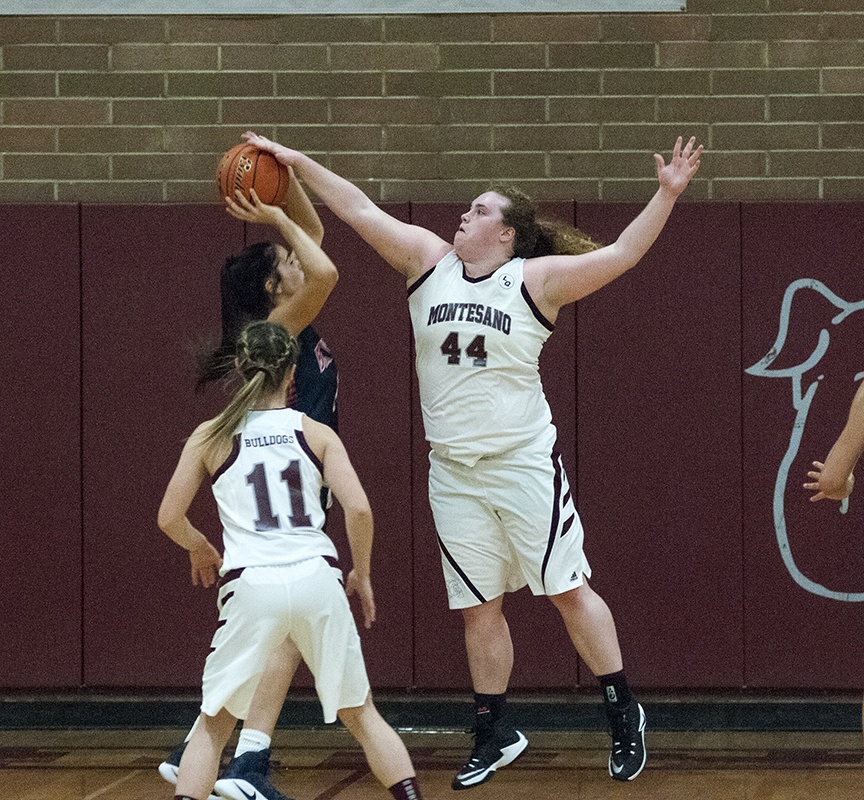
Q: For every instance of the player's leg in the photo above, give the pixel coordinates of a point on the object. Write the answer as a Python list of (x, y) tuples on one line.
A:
[(256, 620), (200, 762), (388, 759), (478, 569), (489, 646), (591, 628), (249, 768), (546, 534), (592, 631), (490, 661), (169, 768)]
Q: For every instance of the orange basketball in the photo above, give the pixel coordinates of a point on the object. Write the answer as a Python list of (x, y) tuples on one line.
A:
[(245, 167)]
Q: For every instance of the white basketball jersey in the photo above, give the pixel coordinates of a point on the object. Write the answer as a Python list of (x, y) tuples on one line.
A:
[(269, 494), (478, 343)]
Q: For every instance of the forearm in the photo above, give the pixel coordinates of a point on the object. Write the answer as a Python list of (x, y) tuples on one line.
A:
[(836, 475), (407, 248), (359, 529), (314, 262), (299, 207), (835, 478), (636, 239), (182, 532), (341, 196)]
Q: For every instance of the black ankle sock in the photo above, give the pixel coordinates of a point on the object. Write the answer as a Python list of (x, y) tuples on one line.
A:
[(616, 690), (493, 704), (406, 790)]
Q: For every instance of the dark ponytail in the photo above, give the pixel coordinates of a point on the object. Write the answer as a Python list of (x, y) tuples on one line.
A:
[(244, 296)]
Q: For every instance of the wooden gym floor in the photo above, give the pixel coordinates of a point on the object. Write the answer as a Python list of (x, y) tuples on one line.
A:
[(91, 764)]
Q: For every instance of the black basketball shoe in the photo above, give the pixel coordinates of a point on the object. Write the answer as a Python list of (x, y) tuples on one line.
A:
[(495, 745), (627, 729), (245, 778)]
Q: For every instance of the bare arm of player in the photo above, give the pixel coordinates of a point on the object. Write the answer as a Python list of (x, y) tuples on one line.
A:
[(555, 281), (299, 207), (409, 249), (340, 476), (204, 559), (834, 480), (298, 308)]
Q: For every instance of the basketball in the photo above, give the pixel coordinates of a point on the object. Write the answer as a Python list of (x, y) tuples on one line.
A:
[(245, 167)]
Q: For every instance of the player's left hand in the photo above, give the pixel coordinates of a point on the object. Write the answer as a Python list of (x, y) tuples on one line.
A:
[(206, 563), (683, 165), (821, 494), (362, 587)]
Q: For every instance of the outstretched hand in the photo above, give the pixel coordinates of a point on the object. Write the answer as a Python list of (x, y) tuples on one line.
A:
[(821, 494), (253, 210), (282, 154), (683, 165)]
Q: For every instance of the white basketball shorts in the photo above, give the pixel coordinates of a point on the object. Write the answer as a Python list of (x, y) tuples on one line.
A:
[(507, 521), (262, 606)]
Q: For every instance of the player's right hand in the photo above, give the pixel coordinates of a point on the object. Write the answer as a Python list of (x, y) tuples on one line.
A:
[(206, 563), (362, 587)]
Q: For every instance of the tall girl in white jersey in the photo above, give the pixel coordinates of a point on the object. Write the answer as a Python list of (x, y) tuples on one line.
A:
[(278, 587), (503, 511)]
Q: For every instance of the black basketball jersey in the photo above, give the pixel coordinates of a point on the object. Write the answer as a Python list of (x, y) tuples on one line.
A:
[(316, 381)]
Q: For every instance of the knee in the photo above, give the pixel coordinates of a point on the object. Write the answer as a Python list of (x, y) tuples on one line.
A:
[(484, 619), (573, 600), (357, 718)]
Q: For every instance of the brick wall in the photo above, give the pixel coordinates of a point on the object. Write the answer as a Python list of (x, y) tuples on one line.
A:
[(138, 109)]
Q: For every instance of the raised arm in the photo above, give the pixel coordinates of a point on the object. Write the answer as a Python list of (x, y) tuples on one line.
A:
[(297, 309), (340, 476), (555, 281), (299, 207), (409, 249), (834, 480), (204, 559)]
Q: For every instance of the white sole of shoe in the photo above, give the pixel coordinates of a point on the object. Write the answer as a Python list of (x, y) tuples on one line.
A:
[(169, 772), (236, 789), (508, 755)]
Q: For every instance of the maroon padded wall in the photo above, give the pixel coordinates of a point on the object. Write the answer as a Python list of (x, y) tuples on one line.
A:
[(543, 654), (40, 624), (660, 446), (150, 287), (678, 448), (795, 636)]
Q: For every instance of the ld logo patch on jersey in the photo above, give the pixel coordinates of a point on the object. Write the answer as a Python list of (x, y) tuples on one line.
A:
[(506, 281)]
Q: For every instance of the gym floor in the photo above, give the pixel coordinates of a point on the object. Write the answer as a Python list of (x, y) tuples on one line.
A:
[(752, 748)]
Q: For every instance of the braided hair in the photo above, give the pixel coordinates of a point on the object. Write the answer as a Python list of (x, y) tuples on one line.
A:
[(265, 354)]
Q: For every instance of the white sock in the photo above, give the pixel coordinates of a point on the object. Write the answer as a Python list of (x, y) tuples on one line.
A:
[(251, 741)]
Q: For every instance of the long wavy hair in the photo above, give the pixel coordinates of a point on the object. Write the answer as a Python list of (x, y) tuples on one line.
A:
[(539, 237)]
